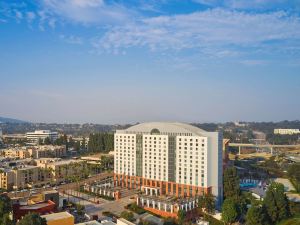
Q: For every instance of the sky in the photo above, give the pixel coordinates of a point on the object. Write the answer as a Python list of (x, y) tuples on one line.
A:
[(127, 61)]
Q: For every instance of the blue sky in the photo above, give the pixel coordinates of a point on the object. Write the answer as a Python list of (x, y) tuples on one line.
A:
[(117, 61)]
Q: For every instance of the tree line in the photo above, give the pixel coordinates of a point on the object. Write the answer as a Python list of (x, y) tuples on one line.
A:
[(101, 142), (274, 208)]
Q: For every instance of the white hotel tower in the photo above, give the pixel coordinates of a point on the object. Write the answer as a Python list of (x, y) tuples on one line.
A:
[(175, 158)]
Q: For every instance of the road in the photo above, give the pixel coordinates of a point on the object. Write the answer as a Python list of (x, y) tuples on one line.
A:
[(262, 145), (64, 187)]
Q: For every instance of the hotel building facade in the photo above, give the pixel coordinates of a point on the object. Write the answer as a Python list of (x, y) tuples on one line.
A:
[(170, 159)]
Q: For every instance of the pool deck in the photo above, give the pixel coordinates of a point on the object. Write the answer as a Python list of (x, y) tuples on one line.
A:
[(287, 184)]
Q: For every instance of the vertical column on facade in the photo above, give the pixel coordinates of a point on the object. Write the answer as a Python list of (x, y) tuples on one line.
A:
[(161, 188), (182, 190), (172, 189), (188, 190), (200, 191), (177, 194), (167, 188)]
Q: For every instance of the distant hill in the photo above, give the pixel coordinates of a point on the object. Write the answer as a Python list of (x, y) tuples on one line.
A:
[(10, 120)]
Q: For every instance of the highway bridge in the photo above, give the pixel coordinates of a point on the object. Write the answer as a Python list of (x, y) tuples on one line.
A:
[(257, 146)]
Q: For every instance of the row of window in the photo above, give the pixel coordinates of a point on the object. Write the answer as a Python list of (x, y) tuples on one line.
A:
[(185, 139), (154, 138)]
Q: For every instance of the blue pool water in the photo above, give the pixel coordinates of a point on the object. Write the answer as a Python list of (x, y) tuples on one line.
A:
[(247, 185)]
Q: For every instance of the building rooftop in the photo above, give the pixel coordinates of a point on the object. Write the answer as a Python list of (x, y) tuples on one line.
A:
[(41, 132), (27, 167), (126, 221), (63, 162), (50, 192), (164, 128), (37, 205), (57, 216), (94, 222)]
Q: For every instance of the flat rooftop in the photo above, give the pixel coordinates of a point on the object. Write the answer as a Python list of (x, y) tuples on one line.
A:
[(57, 216), (94, 222), (63, 162), (36, 206)]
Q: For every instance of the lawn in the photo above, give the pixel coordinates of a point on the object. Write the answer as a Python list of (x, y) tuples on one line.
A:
[(292, 221)]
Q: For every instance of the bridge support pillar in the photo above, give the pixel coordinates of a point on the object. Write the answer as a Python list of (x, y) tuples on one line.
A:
[(240, 150), (271, 151)]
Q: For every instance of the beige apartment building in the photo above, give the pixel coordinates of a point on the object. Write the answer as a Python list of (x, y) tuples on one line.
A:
[(21, 153), (36, 152), (6, 179), (18, 178), (46, 171), (45, 151)]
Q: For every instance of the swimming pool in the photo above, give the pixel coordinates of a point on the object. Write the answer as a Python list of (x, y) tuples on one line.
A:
[(248, 185)]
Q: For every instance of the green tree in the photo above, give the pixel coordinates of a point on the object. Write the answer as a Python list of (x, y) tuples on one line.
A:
[(127, 216), (32, 219), (294, 174), (181, 216), (107, 162), (47, 141), (5, 205), (40, 141), (207, 201), (276, 203), (101, 142), (256, 215), (229, 211), (231, 183), (5, 220), (80, 209)]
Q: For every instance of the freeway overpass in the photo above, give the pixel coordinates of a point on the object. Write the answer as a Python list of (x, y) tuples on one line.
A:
[(269, 146)]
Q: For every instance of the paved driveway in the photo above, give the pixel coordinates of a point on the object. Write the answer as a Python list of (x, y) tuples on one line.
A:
[(287, 184), (116, 207)]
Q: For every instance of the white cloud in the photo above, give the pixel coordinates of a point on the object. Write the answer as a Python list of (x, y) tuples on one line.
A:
[(208, 30), (88, 11), (252, 4), (71, 39), (254, 62), (30, 16), (208, 2), (19, 15), (88, 3)]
